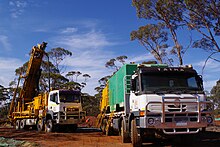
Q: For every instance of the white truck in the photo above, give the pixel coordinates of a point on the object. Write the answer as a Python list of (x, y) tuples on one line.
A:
[(64, 109), (143, 99)]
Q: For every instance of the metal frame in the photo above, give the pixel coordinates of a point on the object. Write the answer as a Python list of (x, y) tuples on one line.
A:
[(188, 125)]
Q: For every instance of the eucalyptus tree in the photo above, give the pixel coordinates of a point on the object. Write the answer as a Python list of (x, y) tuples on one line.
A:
[(86, 77), (153, 38), (57, 55), (121, 59), (215, 96), (196, 16), (75, 84), (48, 70), (169, 13), (203, 17), (112, 63)]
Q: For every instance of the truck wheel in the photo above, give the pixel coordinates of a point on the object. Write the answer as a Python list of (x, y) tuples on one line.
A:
[(49, 126), (22, 124), (73, 127), (17, 124), (135, 139), (40, 125), (124, 135)]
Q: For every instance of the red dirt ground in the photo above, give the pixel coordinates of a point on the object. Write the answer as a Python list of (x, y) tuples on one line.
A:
[(92, 137)]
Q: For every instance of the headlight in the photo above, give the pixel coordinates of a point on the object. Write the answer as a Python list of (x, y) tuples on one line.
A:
[(203, 118), (150, 121), (209, 119)]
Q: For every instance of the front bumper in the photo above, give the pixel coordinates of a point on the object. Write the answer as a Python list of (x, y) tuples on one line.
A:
[(179, 120), (70, 117)]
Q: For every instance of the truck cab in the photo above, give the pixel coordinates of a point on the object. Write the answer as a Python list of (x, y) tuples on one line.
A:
[(64, 108), (168, 99)]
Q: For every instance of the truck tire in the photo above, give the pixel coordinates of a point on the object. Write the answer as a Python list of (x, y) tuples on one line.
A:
[(40, 125), (49, 126), (22, 124), (124, 135), (73, 127), (135, 138), (17, 124)]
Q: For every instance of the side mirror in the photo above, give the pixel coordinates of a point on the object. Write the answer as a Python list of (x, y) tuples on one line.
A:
[(200, 81)]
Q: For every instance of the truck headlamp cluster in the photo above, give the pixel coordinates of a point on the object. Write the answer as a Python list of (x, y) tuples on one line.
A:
[(204, 119), (209, 119), (150, 121)]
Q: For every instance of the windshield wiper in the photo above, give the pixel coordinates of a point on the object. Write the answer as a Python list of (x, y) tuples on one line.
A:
[(187, 90)]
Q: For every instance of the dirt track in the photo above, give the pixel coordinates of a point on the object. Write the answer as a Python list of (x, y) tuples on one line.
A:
[(87, 137)]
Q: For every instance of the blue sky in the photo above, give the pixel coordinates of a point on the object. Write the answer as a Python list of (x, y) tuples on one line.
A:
[(95, 31)]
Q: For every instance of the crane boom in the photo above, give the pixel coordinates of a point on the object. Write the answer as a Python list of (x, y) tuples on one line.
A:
[(31, 80), (31, 84)]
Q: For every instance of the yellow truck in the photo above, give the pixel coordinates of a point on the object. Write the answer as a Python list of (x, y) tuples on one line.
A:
[(45, 111)]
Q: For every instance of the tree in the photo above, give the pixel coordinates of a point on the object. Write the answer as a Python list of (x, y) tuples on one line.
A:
[(57, 55), (4, 97), (121, 59), (86, 76), (74, 84), (90, 104), (77, 74), (195, 16), (154, 39), (203, 16), (112, 62), (57, 80), (169, 13), (69, 75), (215, 97)]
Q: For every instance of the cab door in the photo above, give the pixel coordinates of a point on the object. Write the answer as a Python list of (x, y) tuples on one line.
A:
[(53, 103)]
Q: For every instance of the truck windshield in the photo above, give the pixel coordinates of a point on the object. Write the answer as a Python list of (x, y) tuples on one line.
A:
[(67, 97), (168, 83)]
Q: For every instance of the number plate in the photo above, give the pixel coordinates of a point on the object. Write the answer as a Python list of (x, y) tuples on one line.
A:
[(181, 123)]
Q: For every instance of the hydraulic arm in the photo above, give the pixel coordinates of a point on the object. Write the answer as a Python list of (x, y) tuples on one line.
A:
[(30, 87)]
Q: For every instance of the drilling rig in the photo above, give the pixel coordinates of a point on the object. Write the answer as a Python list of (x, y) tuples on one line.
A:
[(48, 110)]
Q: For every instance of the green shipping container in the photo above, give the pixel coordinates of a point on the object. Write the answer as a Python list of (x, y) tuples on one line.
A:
[(118, 86)]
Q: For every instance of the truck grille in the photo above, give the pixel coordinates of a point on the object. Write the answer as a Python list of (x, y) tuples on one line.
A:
[(193, 117), (175, 108), (181, 130), (72, 109)]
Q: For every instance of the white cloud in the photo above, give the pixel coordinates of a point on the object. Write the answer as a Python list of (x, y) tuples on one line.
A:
[(69, 30), (90, 40), (208, 85), (5, 43), (210, 73), (211, 65), (41, 30), (89, 55), (17, 7), (7, 68), (141, 58)]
